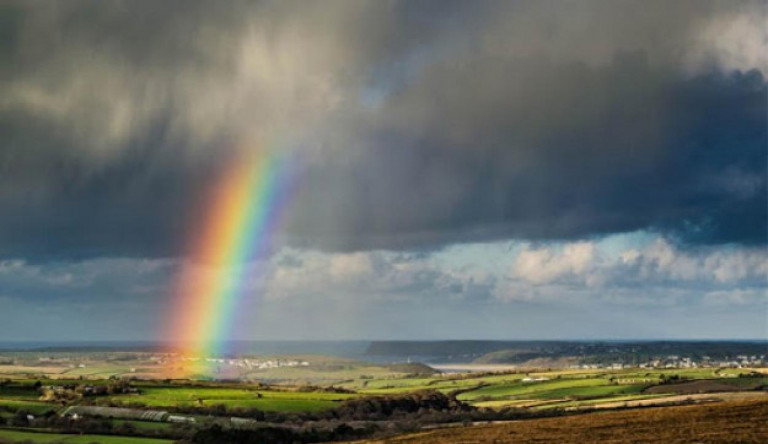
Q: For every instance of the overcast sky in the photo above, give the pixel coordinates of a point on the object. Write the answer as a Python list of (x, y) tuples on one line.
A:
[(504, 169)]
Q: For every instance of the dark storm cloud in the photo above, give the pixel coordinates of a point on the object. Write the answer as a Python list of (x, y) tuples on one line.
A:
[(417, 123), (623, 148)]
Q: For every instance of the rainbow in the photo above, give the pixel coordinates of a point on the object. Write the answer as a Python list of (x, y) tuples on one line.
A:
[(240, 217)]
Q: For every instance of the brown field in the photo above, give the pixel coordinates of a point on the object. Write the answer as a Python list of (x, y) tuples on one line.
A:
[(743, 422), (703, 386), (677, 399)]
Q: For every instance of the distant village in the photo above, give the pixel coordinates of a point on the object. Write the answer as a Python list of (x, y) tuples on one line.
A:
[(674, 361), (244, 363), (250, 364), (612, 360)]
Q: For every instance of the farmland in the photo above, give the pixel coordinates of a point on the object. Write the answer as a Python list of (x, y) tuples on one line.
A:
[(495, 389), (34, 437), (267, 400), (293, 399), (23, 395)]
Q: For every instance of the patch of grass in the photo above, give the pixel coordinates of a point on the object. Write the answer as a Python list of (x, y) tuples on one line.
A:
[(97, 371), (19, 392), (547, 389), (587, 402), (589, 392), (447, 383), (19, 436), (732, 371), (266, 400), (143, 425), (277, 405), (746, 382), (36, 407), (502, 403)]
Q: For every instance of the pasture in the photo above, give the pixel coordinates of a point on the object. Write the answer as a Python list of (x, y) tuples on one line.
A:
[(35, 437), (481, 389), (266, 400), (211, 401)]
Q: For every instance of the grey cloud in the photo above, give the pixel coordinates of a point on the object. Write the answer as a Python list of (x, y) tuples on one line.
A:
[(369, 276), (562, 151), (89, 281), (416, 124)]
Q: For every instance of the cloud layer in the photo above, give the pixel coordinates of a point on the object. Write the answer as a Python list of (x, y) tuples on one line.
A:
[(413, 124), (651, 289)]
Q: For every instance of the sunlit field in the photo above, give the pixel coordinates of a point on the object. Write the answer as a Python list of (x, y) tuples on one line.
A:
[(327, 390)]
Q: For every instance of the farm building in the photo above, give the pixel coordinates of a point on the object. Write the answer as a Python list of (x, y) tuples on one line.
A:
[(116, 412), (242, 422), (181, 419)]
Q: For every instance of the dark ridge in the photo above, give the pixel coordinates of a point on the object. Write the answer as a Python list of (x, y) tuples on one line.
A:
[(453, 348), (413, 368), (468, 349)]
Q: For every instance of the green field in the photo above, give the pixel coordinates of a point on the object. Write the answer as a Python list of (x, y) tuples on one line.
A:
[(565, 385), (565, 388), (589, 402), (741, 382), (144, 425), (96, 371), (531, 390), (443, 383), (18, 436), (19, 392), (23, 396), (594, 385), (35, 407), (267, 400)]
